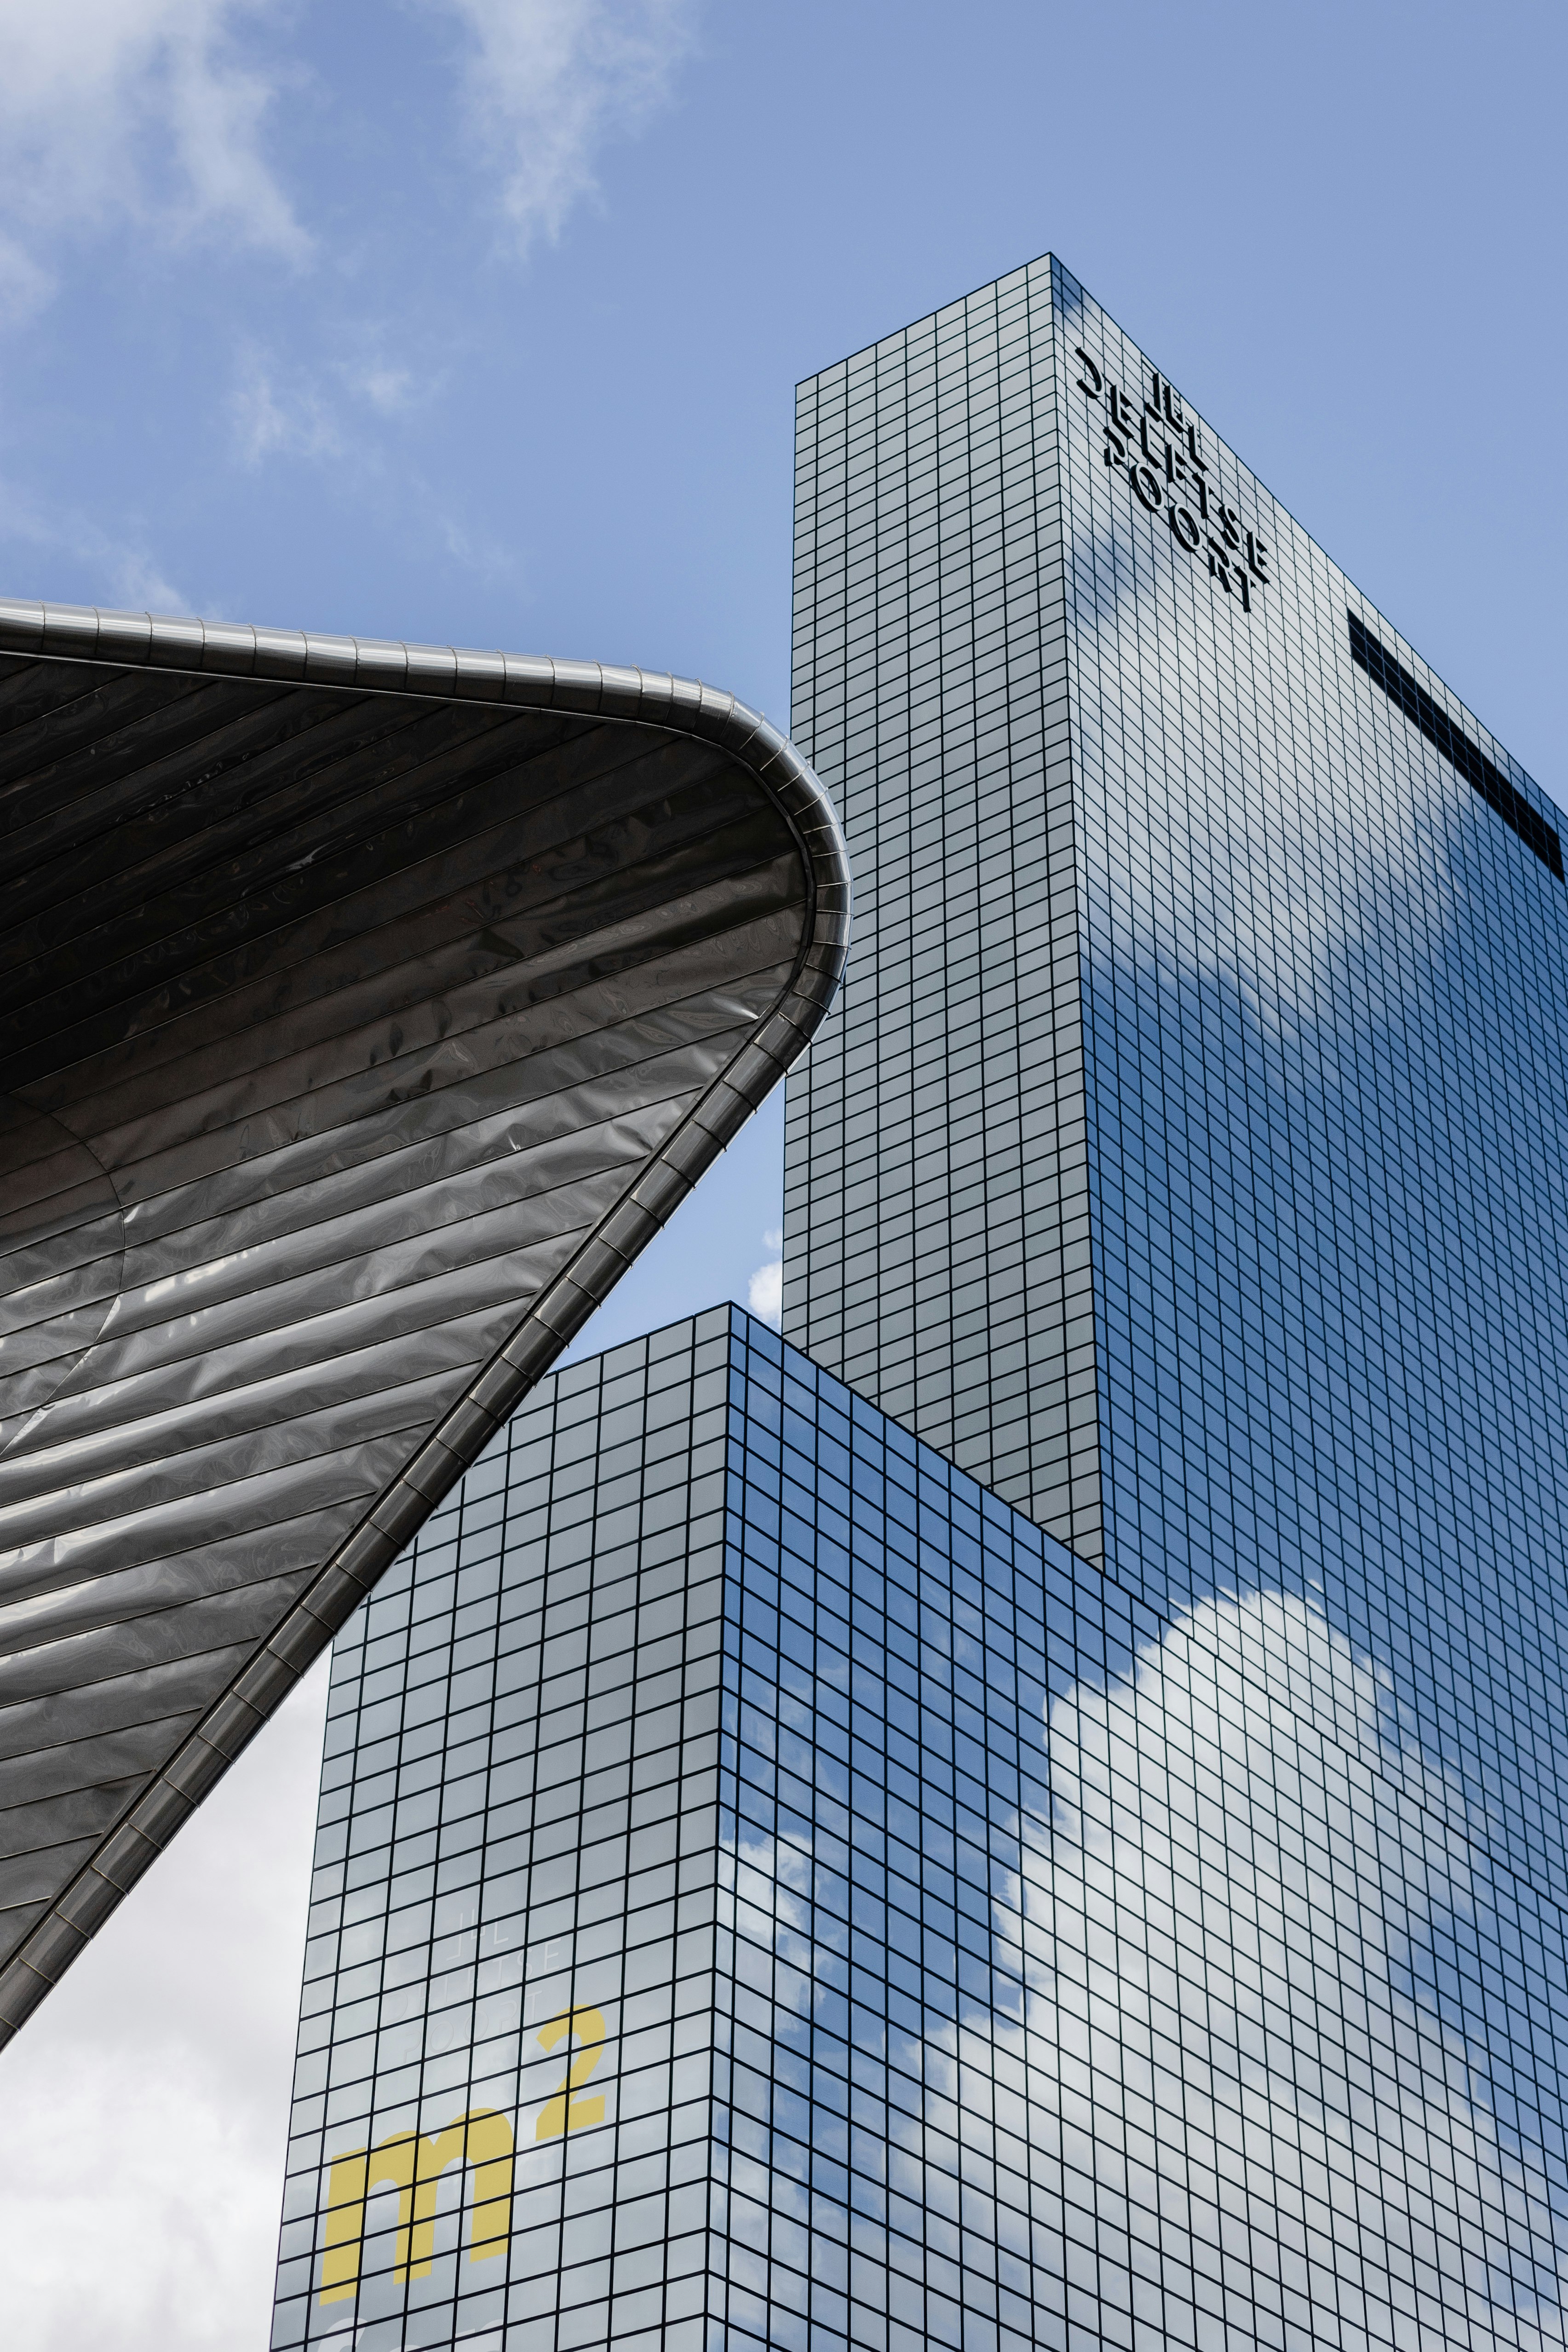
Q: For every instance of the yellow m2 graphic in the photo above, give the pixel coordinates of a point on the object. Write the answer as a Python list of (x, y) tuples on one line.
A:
[(564, 2113), (413, 2165)]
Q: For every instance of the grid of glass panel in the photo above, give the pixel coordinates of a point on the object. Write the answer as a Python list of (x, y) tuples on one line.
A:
[(977, 1958), (500, 2127), (1088, 1989), (1325, 1001), (1309, 1182), (1321, 1003), (1045, 1825), (936, 1196)]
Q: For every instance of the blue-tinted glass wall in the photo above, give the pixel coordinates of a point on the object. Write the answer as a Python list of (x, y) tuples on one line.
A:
[(1326, 1013), (1317, 984), (1128, 1984), (974, 1957)]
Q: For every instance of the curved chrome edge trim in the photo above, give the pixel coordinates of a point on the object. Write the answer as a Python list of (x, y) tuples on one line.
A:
[(679, 705)]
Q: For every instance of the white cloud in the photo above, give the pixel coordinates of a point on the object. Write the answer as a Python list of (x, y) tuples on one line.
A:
[(280, 411), (132, 577), (550, 79), (274, 416), (765, 1291), (1222, 2039), (25, 285), (155, 113), (146, 2102), (477, 552), (137, 585), (135, 109), (280, 407), (1217, 1927), (388, 388)]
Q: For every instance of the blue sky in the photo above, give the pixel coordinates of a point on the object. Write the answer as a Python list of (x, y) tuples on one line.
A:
[(477, 320)]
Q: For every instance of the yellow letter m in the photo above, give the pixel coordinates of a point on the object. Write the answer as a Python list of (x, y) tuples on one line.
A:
[(413, 2165)]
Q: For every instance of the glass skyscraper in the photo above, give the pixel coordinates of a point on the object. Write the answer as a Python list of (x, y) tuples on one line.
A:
[(1030, 1812)]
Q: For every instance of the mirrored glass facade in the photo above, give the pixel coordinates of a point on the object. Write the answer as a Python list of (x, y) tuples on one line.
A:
[(937, 1190), (668, 1974), (1031, 1811)]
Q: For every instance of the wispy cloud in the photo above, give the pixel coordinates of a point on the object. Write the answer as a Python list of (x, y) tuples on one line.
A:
[(387, 388), (25, 284), (277, 412), (144, 110), (338, 414), (156, 112), (280, 407), (130, 576), (548, 81)]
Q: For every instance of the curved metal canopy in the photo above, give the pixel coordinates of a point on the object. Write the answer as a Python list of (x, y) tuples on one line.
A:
[(363, 1010)]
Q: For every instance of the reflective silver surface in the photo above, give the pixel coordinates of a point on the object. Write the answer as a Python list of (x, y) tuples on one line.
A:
[(363, 1008)]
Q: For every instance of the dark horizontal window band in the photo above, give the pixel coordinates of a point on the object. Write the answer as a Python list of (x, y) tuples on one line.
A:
[(1472, 763)]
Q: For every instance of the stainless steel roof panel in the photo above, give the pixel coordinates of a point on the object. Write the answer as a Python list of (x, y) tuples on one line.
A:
[(363, 1008)]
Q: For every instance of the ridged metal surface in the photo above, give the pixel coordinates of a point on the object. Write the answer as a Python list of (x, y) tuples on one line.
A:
[(363, 1010)]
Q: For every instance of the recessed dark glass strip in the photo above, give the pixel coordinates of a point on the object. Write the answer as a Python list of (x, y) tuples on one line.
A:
[(1472, 762)]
